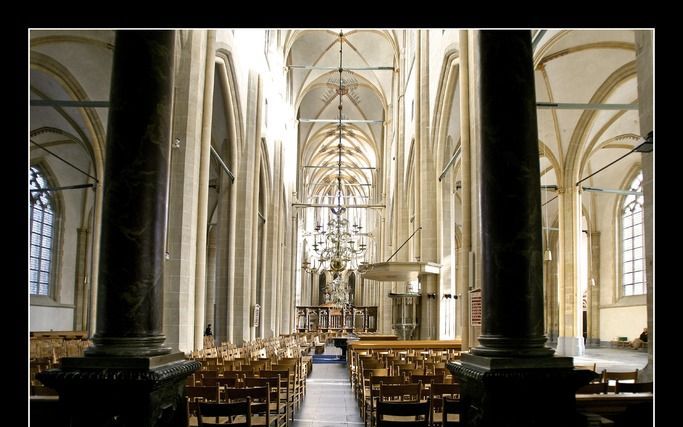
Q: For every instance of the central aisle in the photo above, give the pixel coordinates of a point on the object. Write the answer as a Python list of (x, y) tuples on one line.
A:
[(329, 398)]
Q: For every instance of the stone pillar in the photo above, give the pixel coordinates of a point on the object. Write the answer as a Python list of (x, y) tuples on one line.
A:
[(81, 285), (425, 214), (203, 196), (510, 200), (223, 287), (463, 260), (644, 62), (570, 341), (210, 305), (511, 378), (129, 378), (594, 291)]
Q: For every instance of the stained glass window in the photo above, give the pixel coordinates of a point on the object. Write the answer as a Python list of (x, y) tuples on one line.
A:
[(42, 233), (633, 241)]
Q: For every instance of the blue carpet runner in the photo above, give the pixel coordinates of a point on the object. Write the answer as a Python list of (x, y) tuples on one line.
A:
[(327, 358)]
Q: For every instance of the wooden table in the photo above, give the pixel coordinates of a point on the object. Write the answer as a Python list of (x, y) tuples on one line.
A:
[(369, 336), (406, 344)]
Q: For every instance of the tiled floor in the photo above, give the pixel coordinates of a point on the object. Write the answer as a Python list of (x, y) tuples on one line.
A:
[(613, 359), (329, 400)]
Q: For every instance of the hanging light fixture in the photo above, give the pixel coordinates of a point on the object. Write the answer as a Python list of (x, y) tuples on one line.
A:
[(339, 246)]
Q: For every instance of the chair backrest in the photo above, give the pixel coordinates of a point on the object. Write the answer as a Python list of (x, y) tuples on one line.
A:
[(220, 382), (196, 394), (437, 392), (273, 384), (588, 366), (416, 412), (260, 397), (202, 393), (609, 377), (426, 379), (621, 376), (231, 410), (451, 407), (401, 392), (593, 388), (634, 387)]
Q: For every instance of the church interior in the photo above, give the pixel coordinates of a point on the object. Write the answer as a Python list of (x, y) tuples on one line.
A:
[(319, 212)]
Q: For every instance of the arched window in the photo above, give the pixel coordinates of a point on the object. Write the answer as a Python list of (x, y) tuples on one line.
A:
[(42, 233), (633, 240)]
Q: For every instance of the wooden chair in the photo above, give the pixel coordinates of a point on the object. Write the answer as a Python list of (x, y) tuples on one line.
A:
[(296, 385), (401, 392), (363, 388), (197, 394), (426, 380), (260, 402), (236, 413), (437, 392), (451, 407), (373, 395), (447, 376), (634, 387), (286, 390), (278, 410), (394, 414), (618, 376)]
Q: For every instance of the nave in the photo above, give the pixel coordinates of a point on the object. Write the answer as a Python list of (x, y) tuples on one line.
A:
[(245, 176)]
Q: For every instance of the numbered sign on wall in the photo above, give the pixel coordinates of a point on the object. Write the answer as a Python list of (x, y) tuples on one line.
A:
[(475, 307), (257, 314)]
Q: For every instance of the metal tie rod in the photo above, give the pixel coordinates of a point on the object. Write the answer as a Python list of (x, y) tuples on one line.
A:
[(337, 121), (222, 163), (404, 243), (579, 106), (65, 161), (333, 183), (317, 67), (332, 205), (68, 187), (68, 103), (612, 191), (456, 153), (335, 167)]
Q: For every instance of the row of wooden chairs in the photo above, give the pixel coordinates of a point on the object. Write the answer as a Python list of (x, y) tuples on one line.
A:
[(619, 387), (418, 414), (269, 401), (394, 390), (372, 365)]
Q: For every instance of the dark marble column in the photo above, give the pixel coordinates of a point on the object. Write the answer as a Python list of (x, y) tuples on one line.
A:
[(129, 378), (510, 199), (130, 289), (512, 379)]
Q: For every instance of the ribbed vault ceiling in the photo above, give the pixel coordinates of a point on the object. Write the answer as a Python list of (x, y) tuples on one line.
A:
[(313, 94)]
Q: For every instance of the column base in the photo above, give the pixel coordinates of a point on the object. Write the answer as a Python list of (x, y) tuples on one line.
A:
[(130, 391), (570, 346), (518, 392)]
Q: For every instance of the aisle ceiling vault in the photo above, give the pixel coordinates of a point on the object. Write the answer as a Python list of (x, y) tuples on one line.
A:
[(592, 67)]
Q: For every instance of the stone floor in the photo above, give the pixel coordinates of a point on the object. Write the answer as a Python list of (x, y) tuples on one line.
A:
[(613, 359), (329, 400)]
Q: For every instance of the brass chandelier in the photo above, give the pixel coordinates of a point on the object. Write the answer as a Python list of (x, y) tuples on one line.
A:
[(339, 245)]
